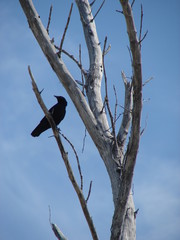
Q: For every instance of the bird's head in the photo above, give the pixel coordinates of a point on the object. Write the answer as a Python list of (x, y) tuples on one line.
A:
[(61, 100)]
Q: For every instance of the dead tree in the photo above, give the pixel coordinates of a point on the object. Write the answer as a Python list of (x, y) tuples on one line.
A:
[(118, 154)]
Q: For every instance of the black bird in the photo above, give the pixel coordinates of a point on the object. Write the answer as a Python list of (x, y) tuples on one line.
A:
[(58, 112)]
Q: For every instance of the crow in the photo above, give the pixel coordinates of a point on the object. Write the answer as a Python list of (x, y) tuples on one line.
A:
[(58, 112)]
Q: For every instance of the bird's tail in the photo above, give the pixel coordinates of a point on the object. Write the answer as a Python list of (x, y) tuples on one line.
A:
[(36, 132)]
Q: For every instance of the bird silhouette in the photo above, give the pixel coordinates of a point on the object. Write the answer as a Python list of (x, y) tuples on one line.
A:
[(58, 112)]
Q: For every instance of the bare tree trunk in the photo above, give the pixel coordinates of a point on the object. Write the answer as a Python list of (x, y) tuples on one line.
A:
[(119, 163)]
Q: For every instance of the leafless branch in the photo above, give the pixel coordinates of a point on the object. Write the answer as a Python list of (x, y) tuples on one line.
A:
[(147, 81), (106, 90), (116, 104), (133, 144), (98, 11), (141, 25), (65, 159), (49, 214), (132, 3), (49, 19), (130, 54), (77, 158), (142, 39), (125, 124), (84, 140), (41, 91), (119, 11), (115, 120), (91, 4), (57, 232), (65, 30), (141, 133), (135, 213), (89, 192), (107, 50), (74, 59), (82, 76)]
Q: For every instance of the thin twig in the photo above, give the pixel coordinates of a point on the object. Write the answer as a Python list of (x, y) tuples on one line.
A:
[(82, 76), (141, 23), (77, 158), (141, 133), (41, 91), (130, 54), (84, 139), (119, 11), (65, 30), (147, 81), (115, 120), (79, 82), (73, 58), (89, 192), (106, 90), (98, 11), (108, 49), (132, 3), (49, 214), (116, 104), (135, 213), (91, 4), (49, 19), (143, 37), (76, 61)]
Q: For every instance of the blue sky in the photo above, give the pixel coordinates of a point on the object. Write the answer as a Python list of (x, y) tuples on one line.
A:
[(32, 174)]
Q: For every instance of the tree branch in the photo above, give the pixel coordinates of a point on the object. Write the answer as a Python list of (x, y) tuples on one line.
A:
[(82, 76), (106, 101), (89, 192), (65, 158), (65, 30), (95, 122), (133, 145), (75, 60), (77, 158), (125, 124), (40, 33), (94, 77), (97, 10), (57, 232), (49, 19), (140, 31)]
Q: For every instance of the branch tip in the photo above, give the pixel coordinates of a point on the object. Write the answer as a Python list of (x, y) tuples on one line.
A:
[(89, 192), (49, 19), (65, 30), (98, 10)]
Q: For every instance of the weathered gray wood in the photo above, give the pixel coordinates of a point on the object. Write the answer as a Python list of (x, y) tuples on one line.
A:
[(95, 120)]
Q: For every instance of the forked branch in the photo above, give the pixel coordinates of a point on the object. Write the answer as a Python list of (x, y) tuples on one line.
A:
[(65, 30), (141, 25), (65, 158), (133, 145), (77, 158), (128, 102)]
